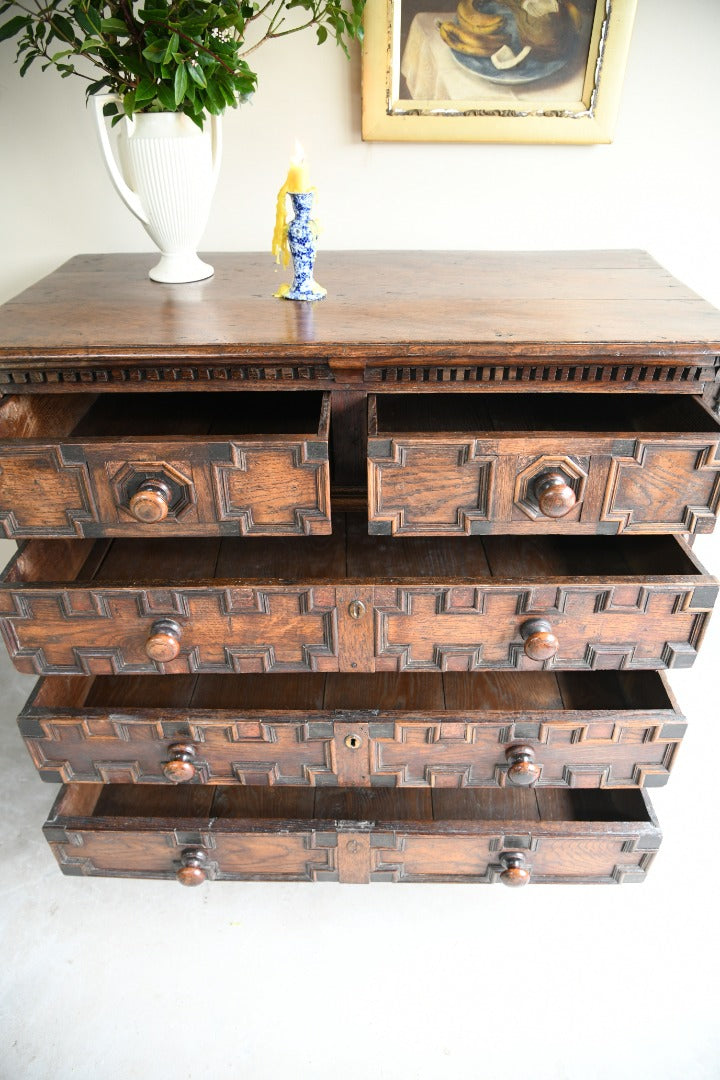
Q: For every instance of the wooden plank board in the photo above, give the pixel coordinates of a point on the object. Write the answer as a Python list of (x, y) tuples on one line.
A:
[(474, 415), (467, 691), (378, 806), (499, 300)]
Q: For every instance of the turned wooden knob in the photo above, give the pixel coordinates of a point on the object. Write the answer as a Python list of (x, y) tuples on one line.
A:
[(515, 872), (192, 867), (179, 767), (150, 502), (554, 495), (163, 644), (540, 642), (522, 769)]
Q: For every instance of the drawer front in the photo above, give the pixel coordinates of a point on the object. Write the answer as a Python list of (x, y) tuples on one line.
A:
[(304, 628), (451, 487), (354, 603), (576, 857), (350, 857), (628, 626), (313, 848), (258, 485), (247, 856), (119, 631), (463, 484), (592, 747)]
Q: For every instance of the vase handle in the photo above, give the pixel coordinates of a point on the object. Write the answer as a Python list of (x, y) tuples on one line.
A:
[(216, 135), (128, 196)]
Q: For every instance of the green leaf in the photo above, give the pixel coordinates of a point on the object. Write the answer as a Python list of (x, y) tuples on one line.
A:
[(172, 48), (166, 97), (322, 34), (156, 14), (97, 87), (228, 95), (181, 82), (14, 26), (197, 74), (65, 28), (114, 26), (194, 27), (196, 117), (145, 91), (133, 64), (155, 52), (216, 103), (88, 19)]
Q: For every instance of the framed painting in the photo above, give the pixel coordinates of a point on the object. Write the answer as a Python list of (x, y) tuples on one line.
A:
[(515, 71)]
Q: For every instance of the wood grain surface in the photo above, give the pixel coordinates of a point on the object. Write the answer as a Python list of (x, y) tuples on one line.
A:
[(457, 730), (228, 464), (493, 300), (591, 321), (409, 717), (460, 465), (422, 604), (353, 835)]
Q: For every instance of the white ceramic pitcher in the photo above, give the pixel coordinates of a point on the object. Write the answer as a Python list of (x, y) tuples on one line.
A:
[(165, 172)]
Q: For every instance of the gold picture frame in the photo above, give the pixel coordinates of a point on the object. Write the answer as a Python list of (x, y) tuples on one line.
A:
[(416, 88)]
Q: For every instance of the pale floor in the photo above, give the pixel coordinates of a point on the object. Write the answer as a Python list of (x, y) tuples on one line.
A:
[(111, 978)]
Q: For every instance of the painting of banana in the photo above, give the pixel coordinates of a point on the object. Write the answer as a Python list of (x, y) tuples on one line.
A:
[(547, 71), (509, 33)]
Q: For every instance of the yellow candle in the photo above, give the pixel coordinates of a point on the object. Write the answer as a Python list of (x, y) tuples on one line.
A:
[(297, 181), (297, 177)]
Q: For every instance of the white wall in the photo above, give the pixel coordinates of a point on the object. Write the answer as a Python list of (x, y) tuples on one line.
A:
[(113, 978), (654, 187)]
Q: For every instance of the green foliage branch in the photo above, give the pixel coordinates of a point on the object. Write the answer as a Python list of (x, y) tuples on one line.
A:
[(167, 55)]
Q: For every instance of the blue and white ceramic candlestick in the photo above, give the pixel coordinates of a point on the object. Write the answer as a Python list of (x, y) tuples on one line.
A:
[(301, 241)]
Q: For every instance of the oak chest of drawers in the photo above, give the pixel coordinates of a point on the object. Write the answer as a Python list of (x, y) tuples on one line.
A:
[(379, 589)]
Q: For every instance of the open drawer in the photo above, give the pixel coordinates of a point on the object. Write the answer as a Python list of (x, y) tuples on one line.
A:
[(351, 835), (466, 464), (352, 602), (171, 464), (455, 730)]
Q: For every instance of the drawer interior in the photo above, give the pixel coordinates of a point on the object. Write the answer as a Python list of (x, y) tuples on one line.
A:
[(578, 413), (369, 805), (350, 554), (228, 414), (420, 692)]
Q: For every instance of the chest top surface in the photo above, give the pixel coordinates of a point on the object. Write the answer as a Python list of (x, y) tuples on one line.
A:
[(380, 304)]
